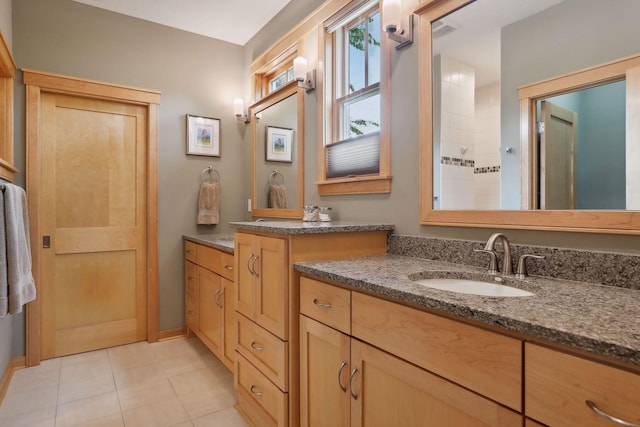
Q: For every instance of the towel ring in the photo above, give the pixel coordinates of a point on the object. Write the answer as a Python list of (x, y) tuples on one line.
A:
[(214, 174), (274, 176)]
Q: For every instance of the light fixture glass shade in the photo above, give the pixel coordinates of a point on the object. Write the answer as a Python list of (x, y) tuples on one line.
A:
[(391, 15), (238, 107), (300, 68)]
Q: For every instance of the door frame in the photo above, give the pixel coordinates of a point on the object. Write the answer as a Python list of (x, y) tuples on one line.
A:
[(37, 83)]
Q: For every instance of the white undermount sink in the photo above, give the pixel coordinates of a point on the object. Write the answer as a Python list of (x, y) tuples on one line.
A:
[(474, 287)]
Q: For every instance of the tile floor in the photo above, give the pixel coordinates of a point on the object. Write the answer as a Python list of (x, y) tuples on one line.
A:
[(171, 383)]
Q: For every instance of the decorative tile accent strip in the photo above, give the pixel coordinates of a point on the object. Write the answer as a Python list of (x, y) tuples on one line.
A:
[(454, 161), (610, 269), (487, 169)]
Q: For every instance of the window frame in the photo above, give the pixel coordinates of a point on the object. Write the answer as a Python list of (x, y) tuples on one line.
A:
[(329, 117)]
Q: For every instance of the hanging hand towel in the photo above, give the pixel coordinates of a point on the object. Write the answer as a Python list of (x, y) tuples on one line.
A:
[(16, 280), (209, 203), (277, 196)]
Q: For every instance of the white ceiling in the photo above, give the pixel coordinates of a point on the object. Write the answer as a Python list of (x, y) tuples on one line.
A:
[(235, 21)]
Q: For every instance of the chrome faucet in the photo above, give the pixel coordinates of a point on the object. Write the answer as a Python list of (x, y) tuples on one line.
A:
[(490, 247)]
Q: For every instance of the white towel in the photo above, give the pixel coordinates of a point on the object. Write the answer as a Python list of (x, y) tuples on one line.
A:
[(16, 280)]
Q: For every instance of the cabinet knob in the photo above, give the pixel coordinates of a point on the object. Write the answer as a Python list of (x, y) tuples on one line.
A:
[(228, 267)]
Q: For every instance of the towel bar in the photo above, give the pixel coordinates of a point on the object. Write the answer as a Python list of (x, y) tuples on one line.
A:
[(275, 174), (211, 171)]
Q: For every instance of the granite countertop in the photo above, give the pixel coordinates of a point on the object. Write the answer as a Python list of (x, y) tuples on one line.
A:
[(222, 242), (601, 319), (299, 227)]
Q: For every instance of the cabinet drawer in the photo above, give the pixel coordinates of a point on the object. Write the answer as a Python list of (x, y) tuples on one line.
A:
[(226, 266), (326, 303), (264, 350), (258, 398), (190, 251), (190, 283), (191, 312), (557, 386), (208, 258), (483, 361)]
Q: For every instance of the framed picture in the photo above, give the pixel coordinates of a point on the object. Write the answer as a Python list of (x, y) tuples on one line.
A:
[(203, 136), (279, 141)]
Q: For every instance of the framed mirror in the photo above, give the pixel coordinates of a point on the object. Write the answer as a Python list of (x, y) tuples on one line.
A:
[(277, 139), (487, 70)]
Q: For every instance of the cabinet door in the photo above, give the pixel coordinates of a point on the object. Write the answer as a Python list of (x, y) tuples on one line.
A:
[(210, 310), (324, 375), (190, 285), (229, 331), (387, 391), (271, 274), (245, 282)]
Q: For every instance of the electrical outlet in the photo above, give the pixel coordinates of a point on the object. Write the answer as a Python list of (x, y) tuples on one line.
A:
[(248, 205)]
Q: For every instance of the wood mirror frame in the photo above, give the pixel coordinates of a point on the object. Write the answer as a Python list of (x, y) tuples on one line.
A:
[(290, 89), (591, 221)]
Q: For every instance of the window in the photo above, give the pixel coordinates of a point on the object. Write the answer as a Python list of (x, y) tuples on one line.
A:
[(356, 83), (280, 80)]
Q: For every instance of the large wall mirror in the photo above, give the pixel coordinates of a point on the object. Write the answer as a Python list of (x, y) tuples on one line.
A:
[(530, 112), (277, 138)]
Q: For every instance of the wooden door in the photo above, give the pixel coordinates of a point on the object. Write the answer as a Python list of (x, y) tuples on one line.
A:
[(271, 273), (387, 391), (210, 309), (93, 205), (324, 375), (557, 157)]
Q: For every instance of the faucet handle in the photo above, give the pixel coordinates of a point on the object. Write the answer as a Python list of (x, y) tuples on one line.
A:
[(493, 260), (521, 271)]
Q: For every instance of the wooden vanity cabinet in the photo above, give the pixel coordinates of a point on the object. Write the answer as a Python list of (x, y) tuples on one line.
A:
[(267, 348), (210, 299), (348, 380), (557, 386)]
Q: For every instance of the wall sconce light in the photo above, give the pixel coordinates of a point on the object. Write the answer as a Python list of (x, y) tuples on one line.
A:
[(306, 79), (398, 30), (238, 111)]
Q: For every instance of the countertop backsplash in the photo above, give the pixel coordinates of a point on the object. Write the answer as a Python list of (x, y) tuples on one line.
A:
[(606, 268)]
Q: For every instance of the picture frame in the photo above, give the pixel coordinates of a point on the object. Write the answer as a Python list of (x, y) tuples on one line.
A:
[(203, 136), (279, 144)]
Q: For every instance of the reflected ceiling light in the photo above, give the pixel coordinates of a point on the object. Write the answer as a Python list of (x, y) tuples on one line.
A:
[(398, 30), (306, 79)]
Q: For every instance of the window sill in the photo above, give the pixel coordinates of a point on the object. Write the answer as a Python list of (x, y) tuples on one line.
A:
[(357, 185)]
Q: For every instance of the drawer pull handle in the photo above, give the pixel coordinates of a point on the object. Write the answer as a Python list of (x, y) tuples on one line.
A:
[(190, 278), (321, 304), (342, 366), (353, 374), (256, 393), (256, 346), (228, 267), (606, 416), (191, 312)]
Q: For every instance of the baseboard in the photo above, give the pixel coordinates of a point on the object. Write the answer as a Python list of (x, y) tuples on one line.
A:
[(13, 365), (169, 334)]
